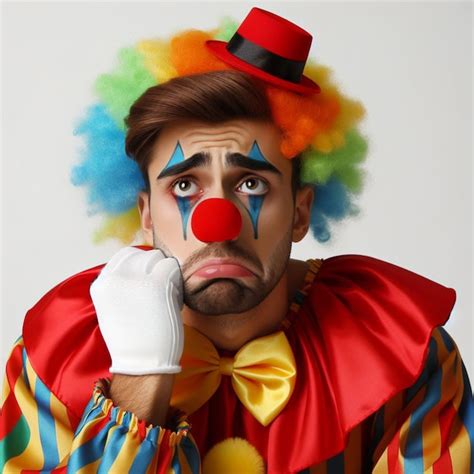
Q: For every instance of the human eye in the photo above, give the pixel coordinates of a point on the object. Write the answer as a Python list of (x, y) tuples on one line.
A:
[(184, 187), (253, 185)]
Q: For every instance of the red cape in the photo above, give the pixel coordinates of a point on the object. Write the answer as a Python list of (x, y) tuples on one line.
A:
[(365, 323)]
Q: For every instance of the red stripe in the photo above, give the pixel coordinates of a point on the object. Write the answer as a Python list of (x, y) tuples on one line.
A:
[(142, 429), (11, 412), (165, 454), (392, 455), (59, 470), (73, 422), (446, 419)]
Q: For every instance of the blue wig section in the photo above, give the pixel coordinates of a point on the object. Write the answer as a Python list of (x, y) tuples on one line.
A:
[(331, 201), (113, 180)]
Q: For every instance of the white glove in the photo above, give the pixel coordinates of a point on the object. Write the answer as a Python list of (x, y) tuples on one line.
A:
[(138, 297)]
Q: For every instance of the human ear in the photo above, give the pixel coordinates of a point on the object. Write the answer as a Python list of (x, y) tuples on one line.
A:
[(143, 202), (302, 217)]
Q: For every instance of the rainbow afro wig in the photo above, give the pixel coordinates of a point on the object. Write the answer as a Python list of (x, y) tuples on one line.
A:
[(321, 128)]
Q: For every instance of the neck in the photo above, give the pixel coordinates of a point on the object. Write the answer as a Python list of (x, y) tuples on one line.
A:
[(231, 331)]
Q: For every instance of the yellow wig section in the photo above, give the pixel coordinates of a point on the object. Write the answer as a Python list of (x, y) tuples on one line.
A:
[(233, 456), (122, 226), (350, 111), (156, 57)]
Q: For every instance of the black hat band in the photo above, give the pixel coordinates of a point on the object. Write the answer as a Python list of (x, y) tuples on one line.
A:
[(278, 66)]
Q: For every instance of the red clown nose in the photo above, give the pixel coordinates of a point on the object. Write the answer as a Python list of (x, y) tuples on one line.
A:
[(216, 220)]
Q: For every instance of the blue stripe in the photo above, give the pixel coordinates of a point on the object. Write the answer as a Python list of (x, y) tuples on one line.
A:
[(89, 413), (176, 466), (146, 452), (47, 428), (431, 365), (192, 454), (377, 430), (413, 455), (25, 373), (466, 413), (114, 444), (91, 451), (447, 339)]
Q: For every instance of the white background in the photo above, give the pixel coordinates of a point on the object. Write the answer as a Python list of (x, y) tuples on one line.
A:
[(410, 64)]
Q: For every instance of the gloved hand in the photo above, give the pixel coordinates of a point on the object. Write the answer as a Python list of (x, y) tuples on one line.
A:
[(138, 297)]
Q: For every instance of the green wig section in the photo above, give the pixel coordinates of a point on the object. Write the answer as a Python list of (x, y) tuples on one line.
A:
[(120, 89), (226, 29), (342, 164)]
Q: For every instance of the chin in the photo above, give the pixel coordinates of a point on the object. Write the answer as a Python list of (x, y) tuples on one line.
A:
[(221, 296)]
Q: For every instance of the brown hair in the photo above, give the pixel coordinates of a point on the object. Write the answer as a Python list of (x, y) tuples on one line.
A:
[(211, 96)]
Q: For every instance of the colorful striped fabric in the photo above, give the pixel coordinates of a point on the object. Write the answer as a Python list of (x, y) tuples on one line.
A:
[(427, 428), (36, 435)]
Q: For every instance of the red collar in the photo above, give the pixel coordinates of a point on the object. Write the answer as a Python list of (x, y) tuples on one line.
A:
[(365, 322)]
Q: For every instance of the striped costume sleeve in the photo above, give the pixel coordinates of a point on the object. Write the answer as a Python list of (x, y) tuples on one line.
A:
[(36, 434), (428, 427)]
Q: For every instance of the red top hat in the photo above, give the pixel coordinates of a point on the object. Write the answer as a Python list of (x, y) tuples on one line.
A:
[(271, 48)]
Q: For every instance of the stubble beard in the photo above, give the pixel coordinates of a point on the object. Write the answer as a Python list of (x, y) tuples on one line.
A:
[(219, 296)]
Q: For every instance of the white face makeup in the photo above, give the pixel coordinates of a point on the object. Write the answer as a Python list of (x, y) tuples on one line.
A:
[(239, 161)]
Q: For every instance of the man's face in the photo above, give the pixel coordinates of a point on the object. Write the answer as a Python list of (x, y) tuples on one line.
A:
[(238, 160)]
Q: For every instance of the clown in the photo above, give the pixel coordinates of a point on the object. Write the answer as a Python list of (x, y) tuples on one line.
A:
[(208, 348)]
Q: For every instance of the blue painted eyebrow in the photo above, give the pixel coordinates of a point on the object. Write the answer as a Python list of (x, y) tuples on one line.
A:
[(178, 164)]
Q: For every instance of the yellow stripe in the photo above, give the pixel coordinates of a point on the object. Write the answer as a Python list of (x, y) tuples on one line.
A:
[(30, 373), (405, 428), (460, 449), (83, 436), (90, 468), (64, 432), (442, 350), (32, 457), (382, 464), (5, 390), (6, 386), (459, 443), (127, 452)]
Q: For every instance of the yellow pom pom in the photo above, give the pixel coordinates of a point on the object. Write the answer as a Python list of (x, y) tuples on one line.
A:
[(233, 456)]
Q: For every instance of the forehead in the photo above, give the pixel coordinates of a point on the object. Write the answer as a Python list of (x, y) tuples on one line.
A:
[(233, 135)]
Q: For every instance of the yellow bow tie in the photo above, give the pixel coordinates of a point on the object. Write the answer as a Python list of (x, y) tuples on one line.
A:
[(263, 374)]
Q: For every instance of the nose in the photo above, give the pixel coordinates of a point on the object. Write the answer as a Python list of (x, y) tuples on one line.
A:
[(216, 220)]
